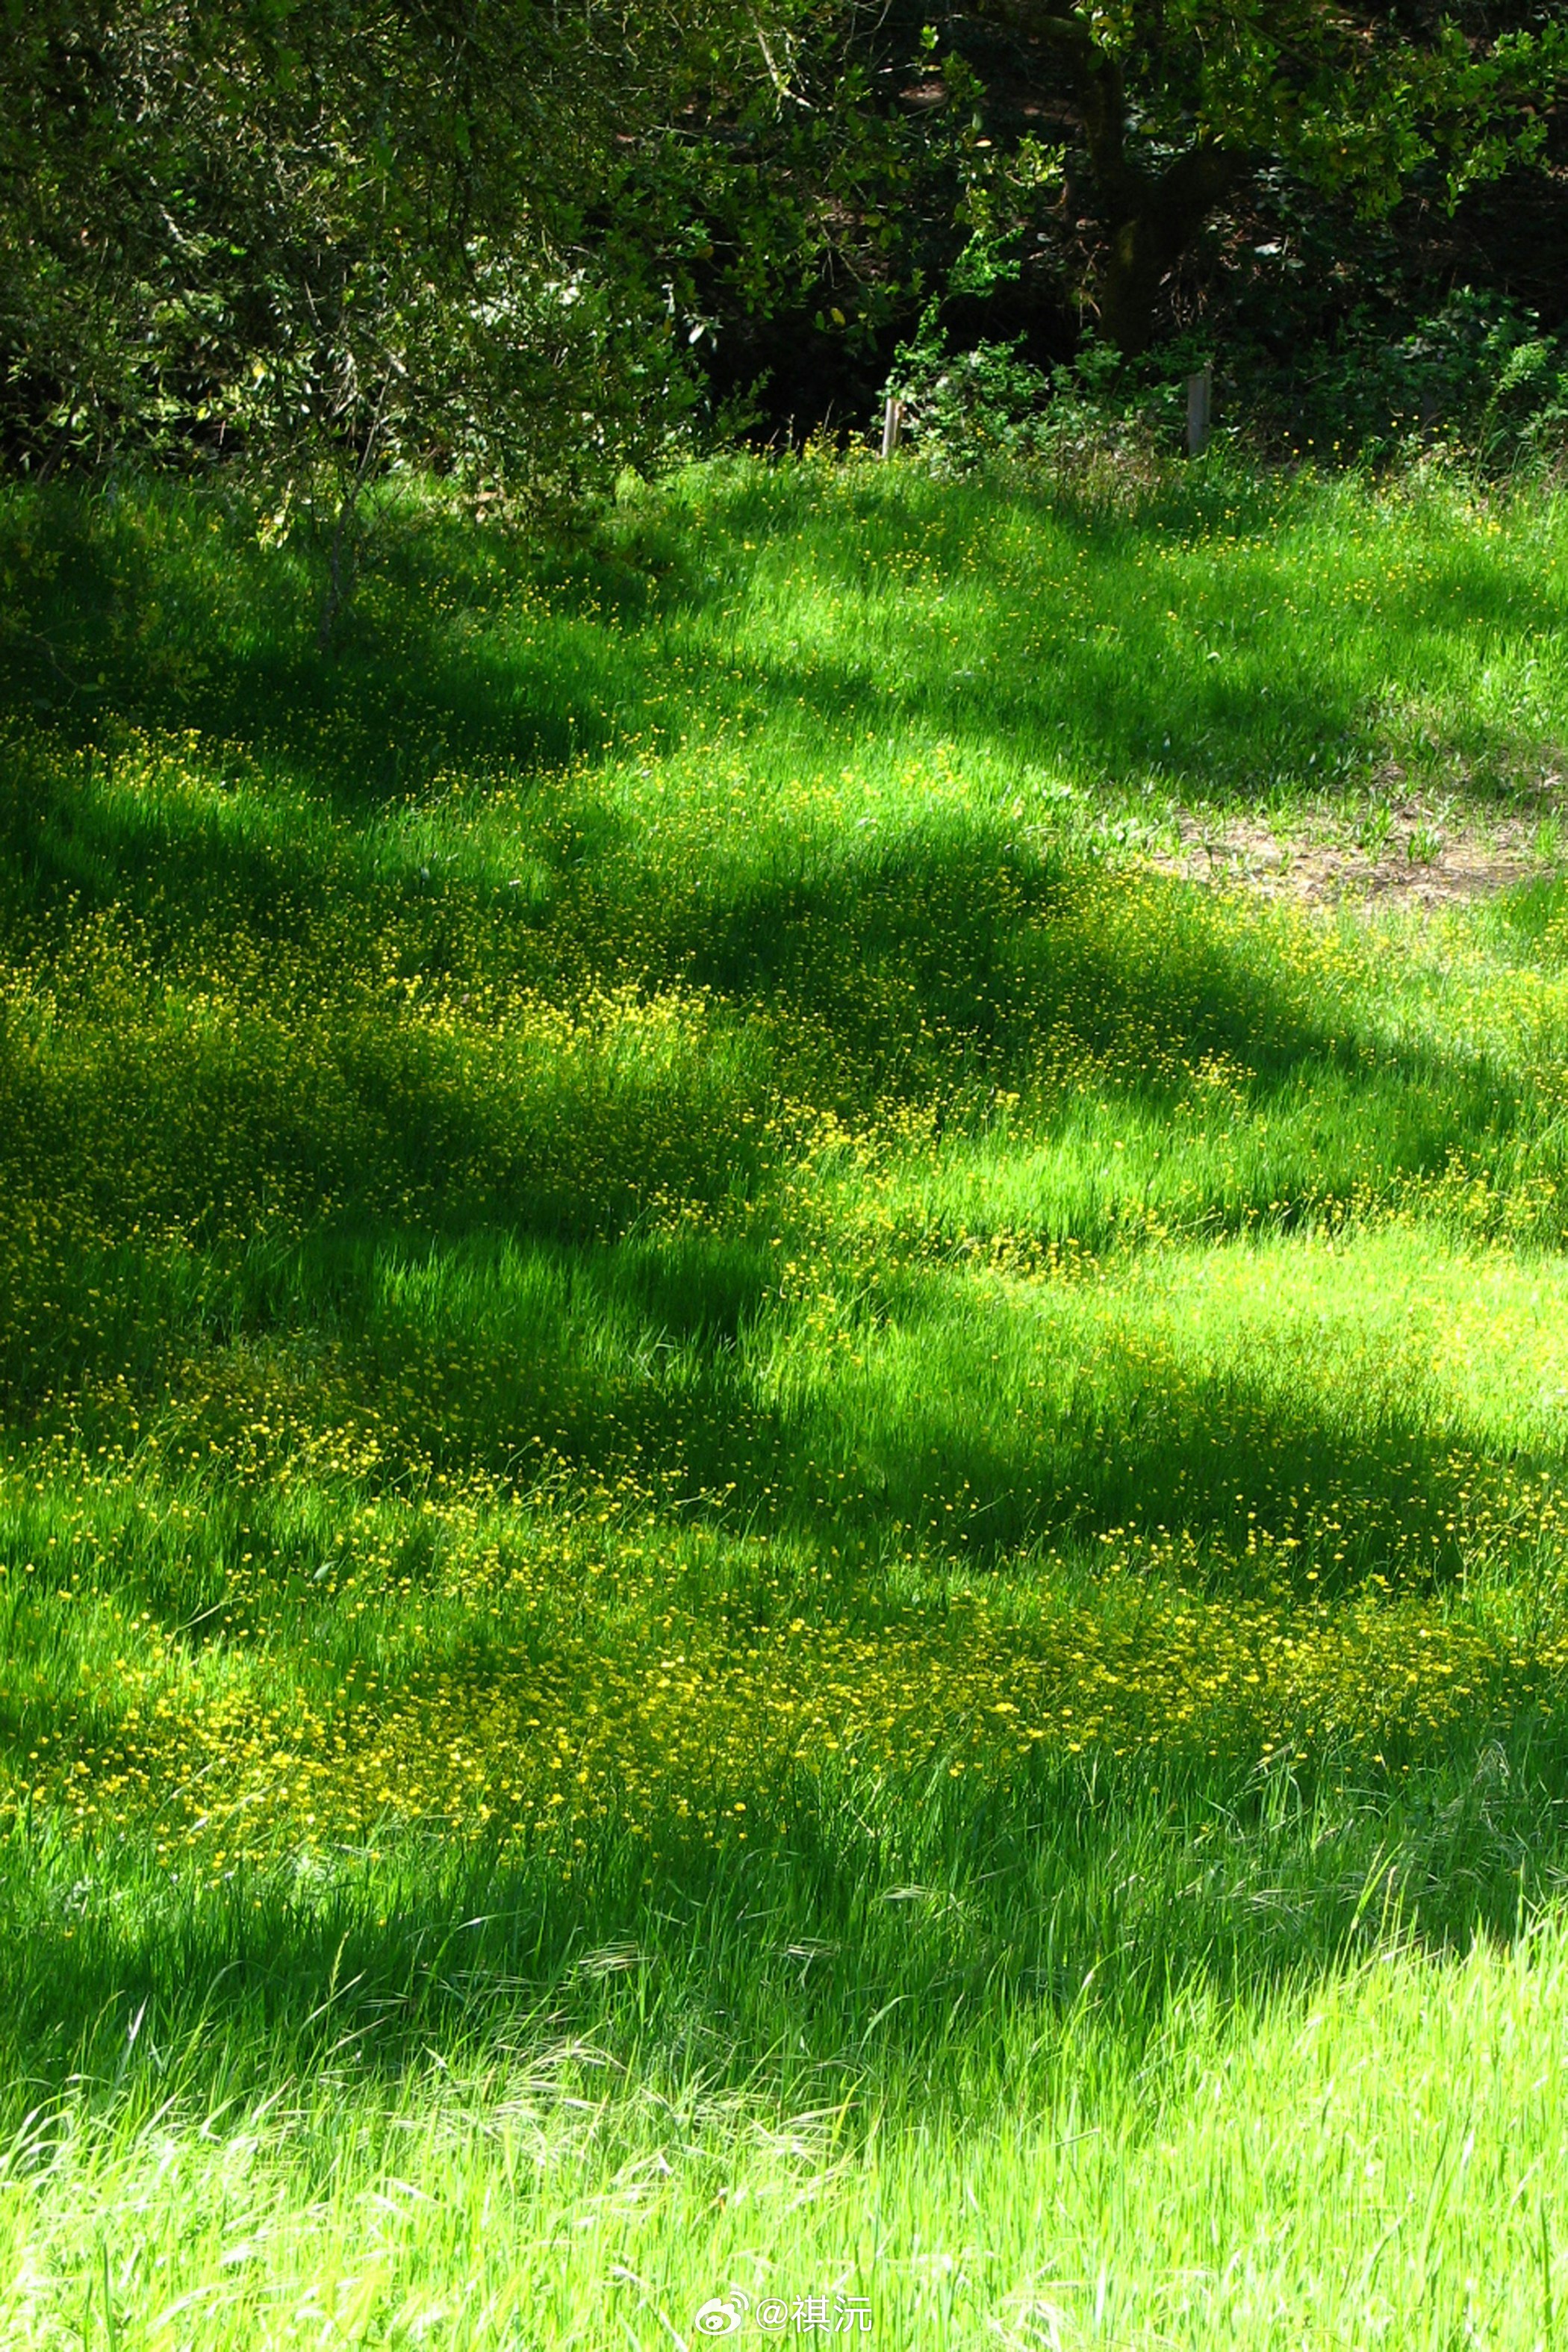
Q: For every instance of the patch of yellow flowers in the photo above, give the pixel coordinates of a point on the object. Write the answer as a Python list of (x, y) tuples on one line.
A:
[(190, 1102), (670, 1722)]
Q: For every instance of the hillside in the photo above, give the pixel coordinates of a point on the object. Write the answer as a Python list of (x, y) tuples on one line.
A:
[(784, 1379)]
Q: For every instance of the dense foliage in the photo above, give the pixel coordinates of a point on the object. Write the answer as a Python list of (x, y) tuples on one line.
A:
[(524, 244), (314, 232)]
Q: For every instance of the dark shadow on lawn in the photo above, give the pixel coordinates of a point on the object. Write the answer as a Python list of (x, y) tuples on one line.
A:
[(924, 968), (1243, 729), (478, 656), (928, 973), (642, 1369), (139, 621), (1064, 1888), (923, 964)]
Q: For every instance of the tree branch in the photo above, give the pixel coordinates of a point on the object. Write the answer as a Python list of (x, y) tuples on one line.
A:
[(1100, 91)]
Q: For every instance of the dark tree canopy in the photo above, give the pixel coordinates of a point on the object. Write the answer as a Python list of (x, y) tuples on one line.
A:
[(1173, 101), (522, 242), (270, 222)]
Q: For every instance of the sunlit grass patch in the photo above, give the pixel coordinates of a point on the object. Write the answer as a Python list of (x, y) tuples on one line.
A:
[(458, 2199)]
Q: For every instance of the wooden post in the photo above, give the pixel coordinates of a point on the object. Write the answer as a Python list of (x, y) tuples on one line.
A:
[(1200, 409), (893, 425)]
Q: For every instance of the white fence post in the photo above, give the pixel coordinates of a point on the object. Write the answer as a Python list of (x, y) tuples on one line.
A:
[(1200, 409)]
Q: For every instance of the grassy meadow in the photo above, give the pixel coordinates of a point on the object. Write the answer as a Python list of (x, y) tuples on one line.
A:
[(782, 1520)]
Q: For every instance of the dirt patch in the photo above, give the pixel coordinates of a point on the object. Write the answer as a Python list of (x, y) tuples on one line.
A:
[(1406, 858)]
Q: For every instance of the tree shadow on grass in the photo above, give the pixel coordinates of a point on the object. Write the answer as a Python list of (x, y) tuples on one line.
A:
[(920, 962), (472, 656), (850, 1956), (489, 1220), (919, 971), (958, 1419), (960, 1427), (1157, 703), (1245, 674), (465, 657)]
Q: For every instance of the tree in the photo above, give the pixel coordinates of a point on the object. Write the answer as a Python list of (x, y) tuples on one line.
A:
[(324, 237), (1172, 102)]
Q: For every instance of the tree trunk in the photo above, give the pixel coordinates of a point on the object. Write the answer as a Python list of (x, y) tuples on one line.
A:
[(1150, 220), (1147, 239)]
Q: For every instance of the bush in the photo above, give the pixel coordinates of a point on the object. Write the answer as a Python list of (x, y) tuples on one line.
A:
[(1477, 379), (965, 408)]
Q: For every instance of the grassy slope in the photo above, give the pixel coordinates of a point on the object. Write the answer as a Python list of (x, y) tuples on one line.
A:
[(763, 1523)]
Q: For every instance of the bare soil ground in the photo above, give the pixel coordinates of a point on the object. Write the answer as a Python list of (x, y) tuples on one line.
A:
[(1418, 858)]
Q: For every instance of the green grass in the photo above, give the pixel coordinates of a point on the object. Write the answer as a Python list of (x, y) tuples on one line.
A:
[(766, 1524)]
